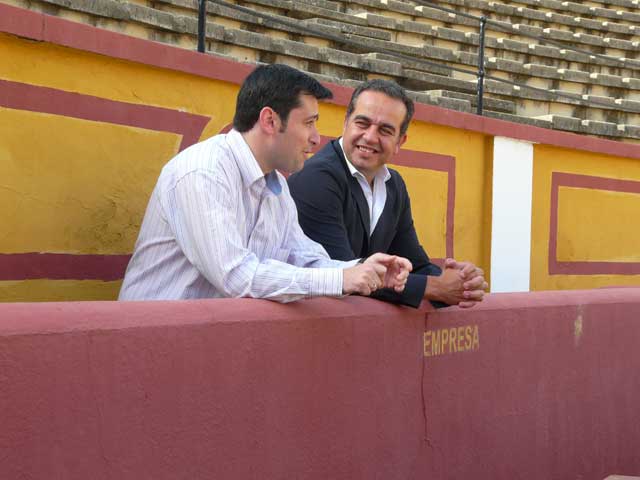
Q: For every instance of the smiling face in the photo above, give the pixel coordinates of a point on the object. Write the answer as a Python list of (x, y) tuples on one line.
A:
[(372, 132), (299, 138)]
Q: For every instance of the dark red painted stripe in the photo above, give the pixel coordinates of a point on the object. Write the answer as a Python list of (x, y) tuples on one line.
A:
[(595, 268), (597, 183), (442, 163), (62, 266), (33, 98), (22, 96), (67, 33), (18, 21), (553, 226), (561, 179)]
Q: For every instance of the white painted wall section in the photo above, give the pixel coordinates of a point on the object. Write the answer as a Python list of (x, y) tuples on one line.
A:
[(511, 219)]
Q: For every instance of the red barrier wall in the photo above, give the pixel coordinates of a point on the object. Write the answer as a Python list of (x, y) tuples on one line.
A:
[(539, 385)]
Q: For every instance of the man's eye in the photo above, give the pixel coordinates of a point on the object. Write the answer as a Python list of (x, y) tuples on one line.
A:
[(386, 131)]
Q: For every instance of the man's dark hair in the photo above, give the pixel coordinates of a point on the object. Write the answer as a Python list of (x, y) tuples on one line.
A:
[(390, 89), (276, 86)]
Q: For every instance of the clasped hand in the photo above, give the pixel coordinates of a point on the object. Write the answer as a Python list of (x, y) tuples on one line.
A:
[(461, 283), (380, 270)]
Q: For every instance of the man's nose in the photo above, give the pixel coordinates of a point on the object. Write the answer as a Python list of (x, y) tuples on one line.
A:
[(370, 134), (315, 137)]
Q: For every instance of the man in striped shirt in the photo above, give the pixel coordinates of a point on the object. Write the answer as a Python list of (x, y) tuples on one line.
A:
[(221, 221)]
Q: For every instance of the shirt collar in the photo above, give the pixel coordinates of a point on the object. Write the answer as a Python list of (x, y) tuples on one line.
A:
[(249, 167), (383, 173)]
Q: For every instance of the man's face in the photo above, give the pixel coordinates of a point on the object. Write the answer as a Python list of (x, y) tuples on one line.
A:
[(300, 137), (372, 132)]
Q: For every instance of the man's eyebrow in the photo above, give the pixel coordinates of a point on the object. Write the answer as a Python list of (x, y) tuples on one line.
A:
[(381, 125), (362, 117), (388, 125)]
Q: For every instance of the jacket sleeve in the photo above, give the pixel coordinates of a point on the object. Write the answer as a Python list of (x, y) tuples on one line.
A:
[(319, 197), (405, 244)]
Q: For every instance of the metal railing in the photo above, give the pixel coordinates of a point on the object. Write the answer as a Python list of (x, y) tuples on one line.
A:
[(202, 24), (480, 88)]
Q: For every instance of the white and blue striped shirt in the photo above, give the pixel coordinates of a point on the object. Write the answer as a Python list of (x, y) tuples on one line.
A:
[(216, 226)]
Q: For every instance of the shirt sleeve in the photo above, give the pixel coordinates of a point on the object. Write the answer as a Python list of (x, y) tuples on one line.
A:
[(206, 220)]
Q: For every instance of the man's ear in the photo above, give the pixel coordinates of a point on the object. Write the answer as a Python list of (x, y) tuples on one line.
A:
[(401, 140), (269, 121)]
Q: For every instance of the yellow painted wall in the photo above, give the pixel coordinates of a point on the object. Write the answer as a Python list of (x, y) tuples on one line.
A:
[(80, 187), (429, 206), (593, 225), (587, 229), (77, 186), (472, 228)]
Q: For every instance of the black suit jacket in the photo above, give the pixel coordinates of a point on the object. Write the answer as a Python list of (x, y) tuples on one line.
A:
[(333, 211)]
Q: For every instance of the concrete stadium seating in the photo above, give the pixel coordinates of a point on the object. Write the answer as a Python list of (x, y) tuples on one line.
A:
[(576, 91)]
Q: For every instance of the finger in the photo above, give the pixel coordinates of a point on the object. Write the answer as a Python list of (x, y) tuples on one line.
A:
[(376, 258), (477, 272), (485, 286), (476, 295), (393, 270), (401, 279), (365, 290), (384, 258), (403, 274), (471, 275), (398, 285), (404, 263), (378, 281), (467, 304), (475, 283), (379, 273), (467, 269), (450, 263)]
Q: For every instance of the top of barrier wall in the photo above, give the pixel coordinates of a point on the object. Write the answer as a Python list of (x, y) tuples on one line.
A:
[(62, 317)]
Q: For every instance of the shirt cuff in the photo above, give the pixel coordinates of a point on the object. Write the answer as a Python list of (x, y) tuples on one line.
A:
[(326, 282)]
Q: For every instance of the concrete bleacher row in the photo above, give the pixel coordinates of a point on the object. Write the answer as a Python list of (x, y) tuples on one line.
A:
[(578, 92), (577, 17)]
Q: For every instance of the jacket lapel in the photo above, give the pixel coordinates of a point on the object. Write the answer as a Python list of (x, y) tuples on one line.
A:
[(385, 226)]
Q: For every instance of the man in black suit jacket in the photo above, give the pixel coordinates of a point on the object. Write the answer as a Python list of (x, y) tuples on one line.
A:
[(359, 207)]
